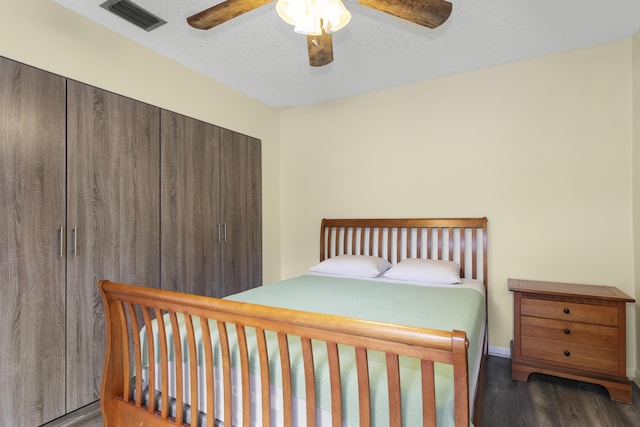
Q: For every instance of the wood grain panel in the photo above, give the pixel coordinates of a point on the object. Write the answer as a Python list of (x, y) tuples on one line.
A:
[(573, 332), (570, 311), (32, 184), (190, 206), (113, 204), (241, 199), (570, 354)]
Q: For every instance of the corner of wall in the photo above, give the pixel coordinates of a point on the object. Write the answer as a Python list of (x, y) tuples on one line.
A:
[(635, 91)]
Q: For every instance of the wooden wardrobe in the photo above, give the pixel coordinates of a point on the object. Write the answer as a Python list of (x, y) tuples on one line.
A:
[(113, 160), (82, 197), (211, 208), (32, 270)]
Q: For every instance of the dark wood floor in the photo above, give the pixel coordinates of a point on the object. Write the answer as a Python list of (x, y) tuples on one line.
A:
[(546, 401)]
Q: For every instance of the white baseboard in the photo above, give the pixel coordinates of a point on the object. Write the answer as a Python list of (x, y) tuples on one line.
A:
[(500, 352)]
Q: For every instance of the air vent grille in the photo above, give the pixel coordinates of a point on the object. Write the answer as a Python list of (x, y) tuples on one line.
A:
[(133, 13)]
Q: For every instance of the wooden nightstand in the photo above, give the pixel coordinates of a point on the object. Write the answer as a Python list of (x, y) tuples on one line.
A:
[(571, 331)]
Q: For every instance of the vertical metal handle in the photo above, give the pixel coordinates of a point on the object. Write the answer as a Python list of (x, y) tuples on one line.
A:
[(74, 241), (219, 234), (225, 232), (61, 242)]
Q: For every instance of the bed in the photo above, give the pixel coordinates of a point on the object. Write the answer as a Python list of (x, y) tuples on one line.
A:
[(326, 348)]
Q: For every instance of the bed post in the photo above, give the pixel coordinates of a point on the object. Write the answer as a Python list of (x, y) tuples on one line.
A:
[(112, 374), (323, 256), (460, 344)]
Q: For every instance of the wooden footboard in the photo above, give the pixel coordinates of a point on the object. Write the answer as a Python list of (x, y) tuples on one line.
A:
[(130, 309)]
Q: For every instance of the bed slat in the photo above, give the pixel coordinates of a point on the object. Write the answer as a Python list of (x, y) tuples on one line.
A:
[(193, 370), (462, 254), (393, 381), (264, 377), (226, 371), (209, 371), (164, 363), (152, 356), (334, 380), (474, 246), (285, 367), (177, 344), (126, 349), (364, 391), (309, 380), (244, 375), (428, 394), (137, 355)]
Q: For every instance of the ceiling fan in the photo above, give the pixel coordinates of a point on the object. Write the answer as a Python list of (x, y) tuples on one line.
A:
[(311, 18)]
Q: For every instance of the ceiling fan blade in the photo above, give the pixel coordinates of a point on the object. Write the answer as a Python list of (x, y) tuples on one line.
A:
[(223, 12), (430, 13), (320, 49)]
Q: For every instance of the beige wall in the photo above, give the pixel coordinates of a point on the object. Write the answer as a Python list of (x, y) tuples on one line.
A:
[(540, 147), (636, 187), (44, 34)]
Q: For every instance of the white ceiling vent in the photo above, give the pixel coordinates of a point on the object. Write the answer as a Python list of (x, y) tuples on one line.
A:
[(133, 13)]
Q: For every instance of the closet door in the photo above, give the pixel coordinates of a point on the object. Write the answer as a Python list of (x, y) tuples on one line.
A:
[(191, 236), (32, 211), (241, 201), (113, 219)]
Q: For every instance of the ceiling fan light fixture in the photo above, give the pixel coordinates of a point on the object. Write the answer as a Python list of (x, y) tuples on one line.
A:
[(309, 25), (310, 17)]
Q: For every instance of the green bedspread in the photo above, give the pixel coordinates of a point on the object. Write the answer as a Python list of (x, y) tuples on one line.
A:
[(446, 308)]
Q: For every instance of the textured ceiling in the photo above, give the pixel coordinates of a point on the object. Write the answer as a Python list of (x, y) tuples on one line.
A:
[(259, 55)]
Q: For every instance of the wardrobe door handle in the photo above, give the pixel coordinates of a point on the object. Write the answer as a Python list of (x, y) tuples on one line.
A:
[(219, 234), (74, 241), (566, 311), (225, 232), (567, 331), (567, 353), (61, 242)]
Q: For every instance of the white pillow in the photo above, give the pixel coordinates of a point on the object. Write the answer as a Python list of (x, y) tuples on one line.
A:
[(425, 271), (353, 265)]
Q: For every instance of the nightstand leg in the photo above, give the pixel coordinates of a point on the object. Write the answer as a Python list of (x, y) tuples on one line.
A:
[(519, 373), (619, 392)]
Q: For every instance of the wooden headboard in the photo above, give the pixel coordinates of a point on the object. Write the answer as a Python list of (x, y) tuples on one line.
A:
[(463, 240)]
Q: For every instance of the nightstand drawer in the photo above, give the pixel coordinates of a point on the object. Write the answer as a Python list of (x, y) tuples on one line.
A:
[(570, 355), (561, 310), (570, 332)]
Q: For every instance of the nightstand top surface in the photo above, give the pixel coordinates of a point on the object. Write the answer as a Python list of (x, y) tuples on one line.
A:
[(568, 289)]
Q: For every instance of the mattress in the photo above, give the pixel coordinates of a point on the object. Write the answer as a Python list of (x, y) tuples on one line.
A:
[(445, 307)]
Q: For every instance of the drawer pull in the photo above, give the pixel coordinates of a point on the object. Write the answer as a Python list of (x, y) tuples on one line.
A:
[(567, 353), (567, 331), (567, 311)]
